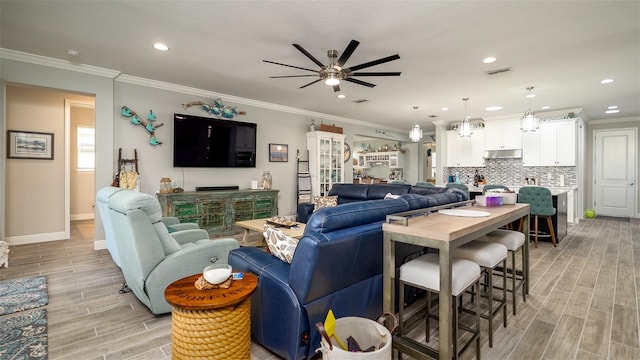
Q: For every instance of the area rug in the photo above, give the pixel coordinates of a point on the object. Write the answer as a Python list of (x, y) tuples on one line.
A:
[(24, 336), (23, 294)]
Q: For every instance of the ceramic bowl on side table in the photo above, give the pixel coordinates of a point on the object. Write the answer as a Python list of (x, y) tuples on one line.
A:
[(217, 273)]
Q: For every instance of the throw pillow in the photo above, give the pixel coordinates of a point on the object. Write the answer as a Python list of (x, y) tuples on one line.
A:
[(171, 230), (280, 244), (320, 202), (391, 196)]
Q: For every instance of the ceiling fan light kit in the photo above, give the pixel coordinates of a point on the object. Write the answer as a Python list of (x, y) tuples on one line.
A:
[(335, 72)]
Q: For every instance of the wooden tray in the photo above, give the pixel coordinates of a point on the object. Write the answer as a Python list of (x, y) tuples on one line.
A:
[(287, 224)]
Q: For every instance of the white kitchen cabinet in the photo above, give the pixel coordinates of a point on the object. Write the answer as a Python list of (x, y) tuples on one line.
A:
[(553, 144), (465, 151), (503, 134), (390, 159), (326, 160)]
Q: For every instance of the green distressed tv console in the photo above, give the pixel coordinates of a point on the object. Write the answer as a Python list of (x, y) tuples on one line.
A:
[(217, 211)]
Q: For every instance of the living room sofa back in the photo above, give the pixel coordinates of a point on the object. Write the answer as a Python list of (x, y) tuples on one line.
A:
[(337, 264)]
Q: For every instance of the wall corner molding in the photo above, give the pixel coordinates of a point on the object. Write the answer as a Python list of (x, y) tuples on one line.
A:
[(57, 63)]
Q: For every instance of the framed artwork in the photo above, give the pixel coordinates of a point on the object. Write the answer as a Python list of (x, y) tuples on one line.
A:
[(29, 145), (278, 152)]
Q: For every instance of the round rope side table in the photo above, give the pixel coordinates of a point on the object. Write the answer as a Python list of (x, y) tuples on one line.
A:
[(211, 324)]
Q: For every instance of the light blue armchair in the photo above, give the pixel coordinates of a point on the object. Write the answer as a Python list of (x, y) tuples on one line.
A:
[(102, 200), (150, 257)]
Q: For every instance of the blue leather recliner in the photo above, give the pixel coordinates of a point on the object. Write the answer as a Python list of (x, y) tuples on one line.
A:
[(337, 265)]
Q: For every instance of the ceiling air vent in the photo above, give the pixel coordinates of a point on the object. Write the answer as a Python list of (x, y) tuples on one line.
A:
[(498, 71), (359, 101)]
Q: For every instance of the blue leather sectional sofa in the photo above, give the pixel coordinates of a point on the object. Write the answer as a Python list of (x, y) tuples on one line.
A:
[(347, 193), (337, 265)]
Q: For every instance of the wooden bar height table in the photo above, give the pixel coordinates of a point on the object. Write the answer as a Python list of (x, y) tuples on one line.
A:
[(211, 324), (445, 233)]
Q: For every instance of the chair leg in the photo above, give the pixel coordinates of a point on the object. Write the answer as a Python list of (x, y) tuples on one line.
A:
[(490, 317), (513, 280), (535, 229), (478, 323), (525, 280), (553, 234), (504, 292)]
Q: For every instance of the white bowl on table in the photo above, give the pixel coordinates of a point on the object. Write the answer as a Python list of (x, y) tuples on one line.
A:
[(216, 273)]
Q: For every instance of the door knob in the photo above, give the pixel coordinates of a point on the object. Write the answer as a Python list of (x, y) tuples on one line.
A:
[(631, 184)]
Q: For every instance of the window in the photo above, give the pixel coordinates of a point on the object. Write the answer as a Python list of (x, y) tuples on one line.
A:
[(86, 148)]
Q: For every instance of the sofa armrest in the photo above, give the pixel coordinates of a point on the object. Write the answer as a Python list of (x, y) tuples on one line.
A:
[(183, 226), (187, 236)]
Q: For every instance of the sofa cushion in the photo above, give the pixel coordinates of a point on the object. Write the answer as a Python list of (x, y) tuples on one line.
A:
[(280, 244), (350, 192), (320, 202)]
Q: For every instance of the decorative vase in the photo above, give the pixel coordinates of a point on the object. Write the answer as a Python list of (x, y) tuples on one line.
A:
[(166, 186), (267, 181)]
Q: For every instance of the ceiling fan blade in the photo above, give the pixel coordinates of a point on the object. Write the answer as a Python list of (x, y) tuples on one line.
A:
[(396, 73), (375, 62), (346, 54), (291, 66), (359, 82), (311, 83), (306, 53), (336, 88), (289, 76)]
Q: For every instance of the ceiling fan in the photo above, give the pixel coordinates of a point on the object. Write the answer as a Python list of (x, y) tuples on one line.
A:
[(335, 71)]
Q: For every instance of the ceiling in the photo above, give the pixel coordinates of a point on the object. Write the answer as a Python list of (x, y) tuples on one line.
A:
[(562, 48)]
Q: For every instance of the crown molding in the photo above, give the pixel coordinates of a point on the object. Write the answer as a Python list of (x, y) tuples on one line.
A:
[(57, 63), (238, 100), (119, 76), (615, 120)]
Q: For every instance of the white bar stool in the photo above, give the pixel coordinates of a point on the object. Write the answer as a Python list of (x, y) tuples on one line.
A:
[(513, 241), (424, 272), (488, 256)]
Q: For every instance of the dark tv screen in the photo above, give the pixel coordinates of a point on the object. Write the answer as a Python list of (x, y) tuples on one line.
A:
[(206, 142)]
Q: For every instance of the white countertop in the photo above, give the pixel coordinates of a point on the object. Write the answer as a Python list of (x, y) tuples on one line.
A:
[(555, 190)]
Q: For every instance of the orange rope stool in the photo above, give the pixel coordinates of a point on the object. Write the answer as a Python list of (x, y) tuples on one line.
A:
[(223, 333)]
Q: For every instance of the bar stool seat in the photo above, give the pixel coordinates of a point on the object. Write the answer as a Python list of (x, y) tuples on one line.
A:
[(488, 256), (513, 241), (424, 272)]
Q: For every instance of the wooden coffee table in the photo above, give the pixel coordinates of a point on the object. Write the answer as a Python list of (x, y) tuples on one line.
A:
[(211, 324), (258, 225)]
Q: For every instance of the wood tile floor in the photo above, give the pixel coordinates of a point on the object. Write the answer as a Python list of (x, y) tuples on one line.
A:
[(583, 303)]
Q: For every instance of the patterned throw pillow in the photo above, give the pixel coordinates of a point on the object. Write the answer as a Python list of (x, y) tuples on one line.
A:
[(320, 202), (280, 244)]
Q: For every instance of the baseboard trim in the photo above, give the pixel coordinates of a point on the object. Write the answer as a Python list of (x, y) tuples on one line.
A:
[(99, 244), (35, 238), (87, 216)]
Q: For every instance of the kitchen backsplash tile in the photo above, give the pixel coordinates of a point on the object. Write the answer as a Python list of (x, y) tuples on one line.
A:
[(511, 172)]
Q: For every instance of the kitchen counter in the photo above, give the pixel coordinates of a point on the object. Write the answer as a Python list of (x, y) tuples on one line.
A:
[(555, 190)]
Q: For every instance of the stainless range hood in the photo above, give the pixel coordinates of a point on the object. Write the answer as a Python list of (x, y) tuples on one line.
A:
[(503, 154)]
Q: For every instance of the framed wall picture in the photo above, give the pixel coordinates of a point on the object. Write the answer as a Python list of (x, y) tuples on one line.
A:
[(278, 152), (29, 145)]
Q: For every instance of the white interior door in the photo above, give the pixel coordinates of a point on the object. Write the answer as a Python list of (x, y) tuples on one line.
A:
[(615, 172)]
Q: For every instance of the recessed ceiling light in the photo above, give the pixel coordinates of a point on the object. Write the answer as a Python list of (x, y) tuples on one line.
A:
[(73, 52), (612, 111), (612, 107), (546, 107), (341, 96), (160, 46), (531, 95), (494, 108), (489, 60), (606, 81), (445, 109)]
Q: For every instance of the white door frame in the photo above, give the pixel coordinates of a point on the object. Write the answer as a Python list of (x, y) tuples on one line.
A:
[(634, 161)]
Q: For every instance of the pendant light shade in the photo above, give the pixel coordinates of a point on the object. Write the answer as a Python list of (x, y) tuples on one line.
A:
[(529, 121), (465, 130), (415, 134)]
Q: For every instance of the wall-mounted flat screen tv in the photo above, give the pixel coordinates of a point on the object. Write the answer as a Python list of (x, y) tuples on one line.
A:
[(206, 142)]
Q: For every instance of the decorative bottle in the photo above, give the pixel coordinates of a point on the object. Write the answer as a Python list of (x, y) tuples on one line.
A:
[(267, 181)]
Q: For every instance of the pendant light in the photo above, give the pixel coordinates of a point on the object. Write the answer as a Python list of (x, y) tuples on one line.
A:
[(529, 121), (415, 134), (465, 129)]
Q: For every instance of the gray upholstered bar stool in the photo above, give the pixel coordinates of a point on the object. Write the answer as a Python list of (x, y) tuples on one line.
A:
[(488, 256), (424, 272), (513, 241)]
